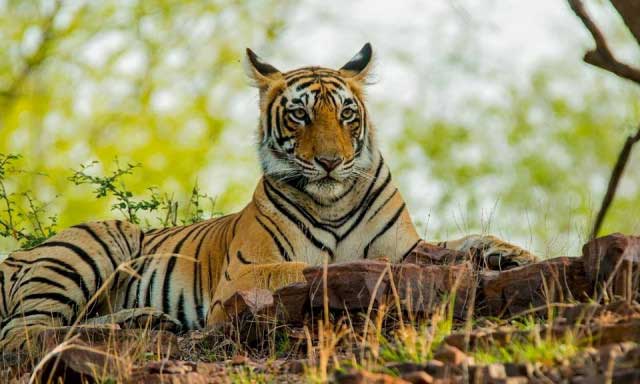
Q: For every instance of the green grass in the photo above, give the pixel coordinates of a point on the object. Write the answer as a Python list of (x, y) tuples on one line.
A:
[(546, 351)]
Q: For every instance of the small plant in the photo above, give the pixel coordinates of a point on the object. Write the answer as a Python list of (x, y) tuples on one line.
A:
[(133, 208), (22, 218), (114, 185), (547, 351)]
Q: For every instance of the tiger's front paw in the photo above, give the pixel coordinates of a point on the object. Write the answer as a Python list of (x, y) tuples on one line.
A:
[(494, 253)]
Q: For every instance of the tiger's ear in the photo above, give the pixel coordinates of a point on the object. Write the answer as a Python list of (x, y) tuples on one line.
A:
[(359, 66), (260, 72)]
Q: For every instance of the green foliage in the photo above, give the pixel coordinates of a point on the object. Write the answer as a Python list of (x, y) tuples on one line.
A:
[(531, 167), (546, 351), (154, 83), (22, 218), (114, 185), (29, 221)]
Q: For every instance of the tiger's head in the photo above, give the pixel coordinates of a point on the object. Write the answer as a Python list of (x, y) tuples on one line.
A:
[(314, 132)]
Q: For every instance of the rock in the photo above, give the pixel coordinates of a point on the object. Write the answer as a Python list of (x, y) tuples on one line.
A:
[(450, 355), (428, 254), (516, 290), (435, 368), (422, 288), (239, 360), (79, 362), (252, 301), (616, 333), (613, 260), (178, 372), (292, 302), (168, 367), (404, 367), (353, 376), (495, 372), (354, 285), (350, 285), (295, 367), (418, 377), (515, 370)]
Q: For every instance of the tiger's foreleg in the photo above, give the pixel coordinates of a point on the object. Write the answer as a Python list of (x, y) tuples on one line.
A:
[(494, 252), (247, 276)]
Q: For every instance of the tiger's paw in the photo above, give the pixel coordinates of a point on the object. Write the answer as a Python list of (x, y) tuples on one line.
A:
[(491, 252)]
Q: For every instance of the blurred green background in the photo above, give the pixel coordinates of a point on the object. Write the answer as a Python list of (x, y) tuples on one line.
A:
[(485, 111)]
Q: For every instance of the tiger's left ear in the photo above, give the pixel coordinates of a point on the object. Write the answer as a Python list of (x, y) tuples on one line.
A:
[(359, 66), (259, 71)]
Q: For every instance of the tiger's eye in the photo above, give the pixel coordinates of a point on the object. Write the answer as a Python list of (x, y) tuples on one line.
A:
[(299, 113), (346, 113)]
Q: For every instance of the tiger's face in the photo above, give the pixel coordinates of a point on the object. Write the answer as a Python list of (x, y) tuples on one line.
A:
[(314, 132)]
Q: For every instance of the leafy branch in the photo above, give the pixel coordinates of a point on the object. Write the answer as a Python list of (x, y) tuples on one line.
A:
[(23, 218), (114, 185)]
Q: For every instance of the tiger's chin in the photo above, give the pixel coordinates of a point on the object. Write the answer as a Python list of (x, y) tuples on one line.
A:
[(326, 189)]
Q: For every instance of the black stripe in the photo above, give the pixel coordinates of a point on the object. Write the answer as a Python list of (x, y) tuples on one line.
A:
[(370, 200), (242, 259), (410, 249), (124, 237), (80, 253), (269, 118), (140, 242), (161, 239), (142, 271), (34, 312), (279, 231), (147, 298), (133, 279), (382, 205), (43, 280), (384, 229), (166, 287), (115, 238), (182, 317), (270, 189), (303, 228), (98, 240), (226, 276), (281, 250), (4, 294), (73, 276), (191, 230), (365, 201), (53, 296), (197, 279)]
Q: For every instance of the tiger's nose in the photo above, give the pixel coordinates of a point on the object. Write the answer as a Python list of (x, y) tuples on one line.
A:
[(329, 163)]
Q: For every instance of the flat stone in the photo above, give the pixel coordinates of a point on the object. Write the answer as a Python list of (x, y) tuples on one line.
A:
[(613, 261), (450, 355), (292, 302), (428, 254), (516, 290), (252, 301)]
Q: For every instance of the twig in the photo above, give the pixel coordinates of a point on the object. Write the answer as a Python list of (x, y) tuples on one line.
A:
[(602, 56), (616, 174)]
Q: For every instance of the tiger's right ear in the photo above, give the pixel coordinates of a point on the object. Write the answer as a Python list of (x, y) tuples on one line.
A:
[(260, 72)]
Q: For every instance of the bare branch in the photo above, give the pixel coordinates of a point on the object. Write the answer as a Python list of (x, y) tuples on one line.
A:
[(602, 56), (614, 180), (630, 12)]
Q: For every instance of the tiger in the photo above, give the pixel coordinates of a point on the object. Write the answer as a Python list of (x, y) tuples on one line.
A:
[(326, 194)]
